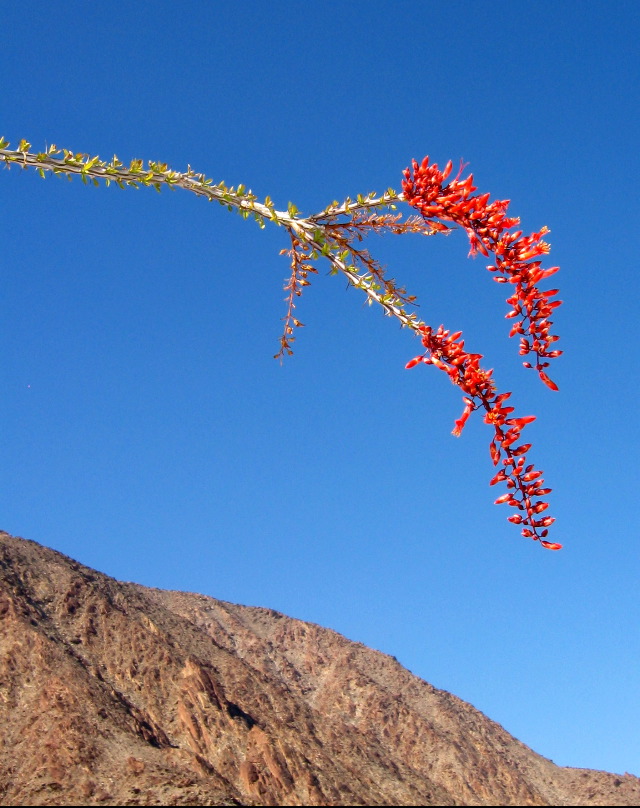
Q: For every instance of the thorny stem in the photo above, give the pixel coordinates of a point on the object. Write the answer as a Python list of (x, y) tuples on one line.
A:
[(189, 181), (299, 227)]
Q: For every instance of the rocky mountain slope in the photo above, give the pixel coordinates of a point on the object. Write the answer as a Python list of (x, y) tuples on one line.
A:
[(115, 694)]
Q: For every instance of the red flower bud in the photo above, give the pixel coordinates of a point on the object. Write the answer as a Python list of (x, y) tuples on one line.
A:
[(550, 384), (499, 478)]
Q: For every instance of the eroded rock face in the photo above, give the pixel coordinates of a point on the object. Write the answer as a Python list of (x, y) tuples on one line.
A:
[(113, 694)]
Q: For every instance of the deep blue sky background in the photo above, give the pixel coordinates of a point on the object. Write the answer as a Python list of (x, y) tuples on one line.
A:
[(147, 430)]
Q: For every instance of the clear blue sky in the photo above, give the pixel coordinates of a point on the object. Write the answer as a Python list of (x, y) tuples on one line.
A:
[(147, 430)]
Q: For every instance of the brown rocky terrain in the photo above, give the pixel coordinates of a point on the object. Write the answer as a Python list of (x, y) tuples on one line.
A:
[(115, 694)]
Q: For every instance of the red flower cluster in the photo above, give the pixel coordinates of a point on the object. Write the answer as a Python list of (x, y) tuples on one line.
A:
[(446, 351), (488, 226)]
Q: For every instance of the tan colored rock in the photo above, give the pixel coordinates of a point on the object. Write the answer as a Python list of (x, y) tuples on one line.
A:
[(115, 694)]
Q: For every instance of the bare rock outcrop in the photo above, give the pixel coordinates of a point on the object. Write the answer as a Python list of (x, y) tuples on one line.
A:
[(115, 694)]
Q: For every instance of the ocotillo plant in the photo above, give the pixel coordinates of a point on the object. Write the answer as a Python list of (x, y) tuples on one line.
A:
[(336, 234)]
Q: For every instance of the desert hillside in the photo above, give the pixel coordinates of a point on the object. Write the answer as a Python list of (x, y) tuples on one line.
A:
[(115, 694)]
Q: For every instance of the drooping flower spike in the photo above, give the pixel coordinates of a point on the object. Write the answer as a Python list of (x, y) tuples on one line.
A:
[(524, 483), (487, 227)]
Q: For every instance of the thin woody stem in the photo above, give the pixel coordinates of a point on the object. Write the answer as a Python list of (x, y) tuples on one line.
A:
[(196, 183), (359, 281), (307, 229), (350, 208), (189, 181)]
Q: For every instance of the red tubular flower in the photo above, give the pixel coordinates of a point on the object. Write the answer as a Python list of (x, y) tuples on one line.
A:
[(499, 478), (468, 409), (551, 384), (520, 422)]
